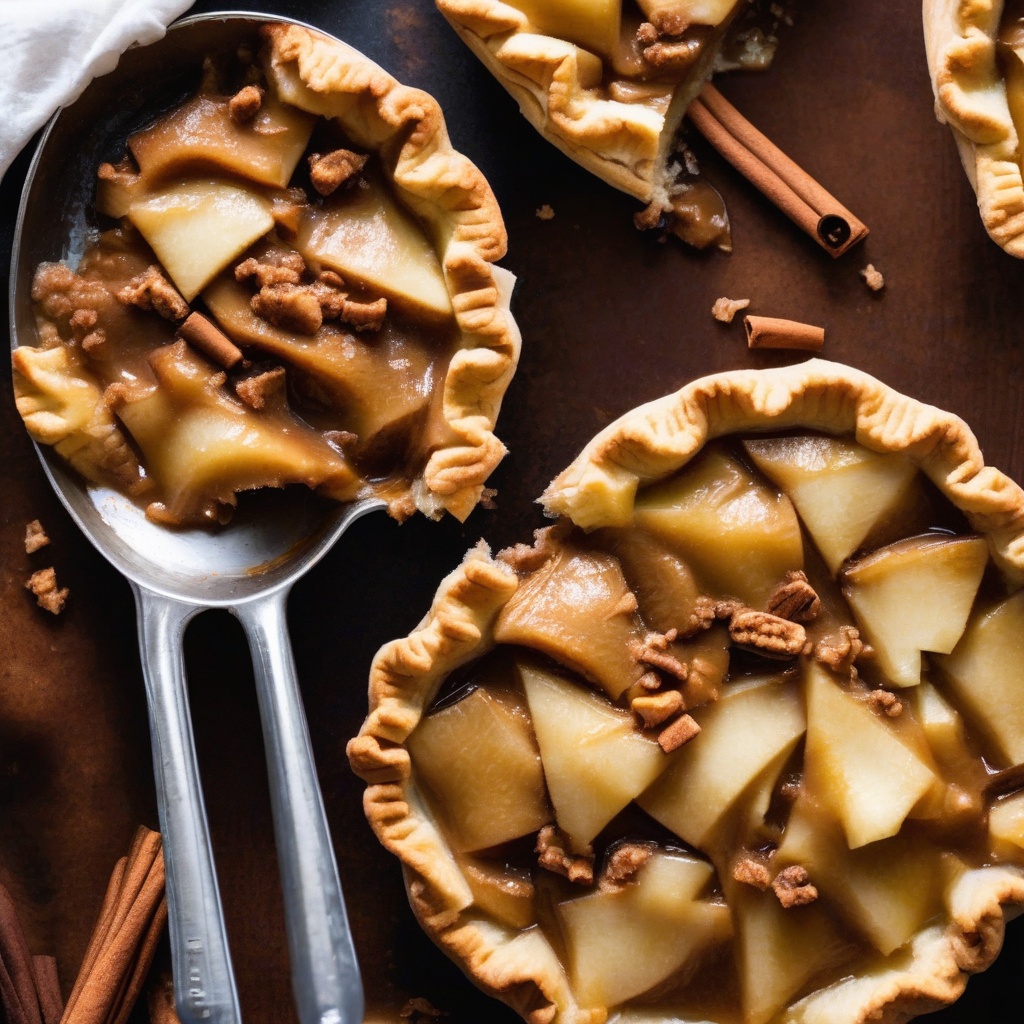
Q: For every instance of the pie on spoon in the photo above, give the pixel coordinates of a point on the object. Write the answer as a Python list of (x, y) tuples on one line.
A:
[(732, 740)]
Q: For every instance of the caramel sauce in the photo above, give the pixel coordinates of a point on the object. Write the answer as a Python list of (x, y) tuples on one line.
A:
[(954, 828)]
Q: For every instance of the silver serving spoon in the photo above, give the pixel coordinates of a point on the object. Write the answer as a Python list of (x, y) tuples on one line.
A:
[(247, 569)]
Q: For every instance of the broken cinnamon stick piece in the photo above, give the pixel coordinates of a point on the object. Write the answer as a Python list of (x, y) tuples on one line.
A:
[(770, 332), (800, 197), (203, 335), (120, 952)]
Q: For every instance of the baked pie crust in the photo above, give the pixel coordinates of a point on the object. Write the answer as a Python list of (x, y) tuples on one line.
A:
[(449, 194), (627, 144), (405, 129), (971, 97), (597, 489)]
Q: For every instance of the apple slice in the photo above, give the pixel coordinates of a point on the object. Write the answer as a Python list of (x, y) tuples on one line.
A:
[(595, 760), (841, 489), (746, 731), (943, 727), (985, 673), (504, 892), (479, 763), (201, 446), (201, 138), (371, 241), (592, 24), (856, 764), (197, 228), (1006, 825), (778, 951), (913, 596), (576, 609), (622, 943), (888, 890), (740, 536)]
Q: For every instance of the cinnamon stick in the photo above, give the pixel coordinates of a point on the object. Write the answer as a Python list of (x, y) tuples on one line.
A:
[(205, 336), (806, 202), (770, 332), (130, 923)]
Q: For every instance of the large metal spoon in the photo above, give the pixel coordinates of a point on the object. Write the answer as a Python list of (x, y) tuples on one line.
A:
[(247, 569)]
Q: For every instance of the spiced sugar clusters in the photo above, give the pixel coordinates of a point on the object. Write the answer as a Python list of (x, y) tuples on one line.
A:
[(750, 711), (287, 296)]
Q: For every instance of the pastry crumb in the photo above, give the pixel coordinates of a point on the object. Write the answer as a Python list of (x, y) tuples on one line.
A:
[(792, 887), (245, 104), (35, 537), (873, 278), (752, 870), (554, 855), (487, 498), (545, 212), (725, 309), (48, 596)]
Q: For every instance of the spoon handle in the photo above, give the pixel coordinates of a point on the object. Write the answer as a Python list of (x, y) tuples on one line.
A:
[(325, 973), (204, 984)]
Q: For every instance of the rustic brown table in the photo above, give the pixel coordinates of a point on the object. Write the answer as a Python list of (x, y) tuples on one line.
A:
[(609, 319)]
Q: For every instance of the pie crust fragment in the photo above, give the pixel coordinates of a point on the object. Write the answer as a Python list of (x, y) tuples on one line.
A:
[(595, 97), (773, 904), (974, 91), (374, 298)]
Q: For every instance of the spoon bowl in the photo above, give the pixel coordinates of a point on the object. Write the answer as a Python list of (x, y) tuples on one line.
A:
[(247, 568)]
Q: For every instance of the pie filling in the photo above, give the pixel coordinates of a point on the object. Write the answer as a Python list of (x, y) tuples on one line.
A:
[(745, 748), (260, 310)]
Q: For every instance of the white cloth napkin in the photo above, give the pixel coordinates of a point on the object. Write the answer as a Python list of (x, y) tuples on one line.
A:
[(51, 49)]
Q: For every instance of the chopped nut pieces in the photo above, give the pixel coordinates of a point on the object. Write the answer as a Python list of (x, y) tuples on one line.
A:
[(886, 703), (245, 104), (262, 390), (793, 888), (840, 653), (206, 337), (151, 290), (725, 309), (794, 599), (551, 848), (769, 635), (752, 870), (658, 708), (35, 537), (873, 278), (329, 171), (545, 212), (44, 585), (652, 652), (661, 50), (291, 307), (623, 864), (681, 731), (771, 332)]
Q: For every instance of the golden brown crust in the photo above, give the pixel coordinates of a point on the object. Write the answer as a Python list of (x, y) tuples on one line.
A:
[(597, 489), (450, 195), (553, 81), (970, 96), (656, 439)]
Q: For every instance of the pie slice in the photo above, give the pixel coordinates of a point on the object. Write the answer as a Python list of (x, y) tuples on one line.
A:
[(609, 83), (976, 59), (846, 855)]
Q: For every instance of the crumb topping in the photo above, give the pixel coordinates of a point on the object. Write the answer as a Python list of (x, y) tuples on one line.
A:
[(48, 595), (151, 290), (793, 888), (329, 171), (623, 864), (35, 537), (264, 389), (751, 869), (552, 851), (245, 104), (725, 309)]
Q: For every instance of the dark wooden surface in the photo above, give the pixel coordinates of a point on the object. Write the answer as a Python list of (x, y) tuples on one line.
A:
[(609, 319)]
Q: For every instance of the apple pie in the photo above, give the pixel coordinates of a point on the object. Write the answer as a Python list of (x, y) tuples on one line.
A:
[(609, 83), (976, 58), (295, 286), (738, 738)]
